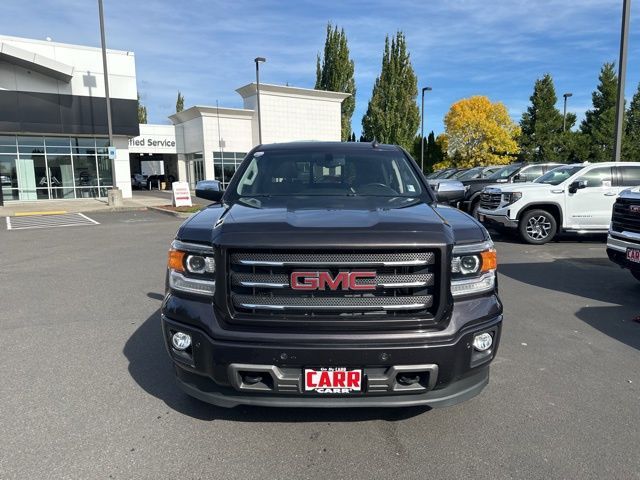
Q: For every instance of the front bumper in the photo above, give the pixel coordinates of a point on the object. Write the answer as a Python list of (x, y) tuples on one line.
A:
[(452, 370), (488, 218), (617, 245)]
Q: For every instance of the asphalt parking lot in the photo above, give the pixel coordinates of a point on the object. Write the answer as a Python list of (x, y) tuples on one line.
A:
[(87, 388)]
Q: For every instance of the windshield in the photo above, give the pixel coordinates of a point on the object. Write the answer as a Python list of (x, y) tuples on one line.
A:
[(475, 172), (335, 173), (505, 172), (558, 175)]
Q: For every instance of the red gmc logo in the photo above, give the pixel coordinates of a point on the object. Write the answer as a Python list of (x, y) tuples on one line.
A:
[(324, 280)]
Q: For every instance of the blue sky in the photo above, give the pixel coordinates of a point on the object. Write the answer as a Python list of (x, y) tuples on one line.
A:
[(463, 48)]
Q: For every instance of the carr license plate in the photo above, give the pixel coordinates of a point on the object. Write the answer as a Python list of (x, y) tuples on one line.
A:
[(332, 380), (633, 255)]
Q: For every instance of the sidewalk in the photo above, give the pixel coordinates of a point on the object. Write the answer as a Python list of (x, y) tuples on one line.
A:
[(141, 201)]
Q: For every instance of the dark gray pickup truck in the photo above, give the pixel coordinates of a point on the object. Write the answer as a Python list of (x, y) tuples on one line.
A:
[(330, 275)]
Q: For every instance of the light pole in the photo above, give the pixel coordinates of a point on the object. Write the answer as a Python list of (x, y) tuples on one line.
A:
[(564, 115), (114, 196), (424, 89), (622, 73), (258, 61)]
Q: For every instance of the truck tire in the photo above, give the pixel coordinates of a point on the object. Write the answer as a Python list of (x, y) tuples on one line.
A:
[(636, 274), (537, 227), (474, 209)]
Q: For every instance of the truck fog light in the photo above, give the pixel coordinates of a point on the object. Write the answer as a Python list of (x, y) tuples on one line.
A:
[(181, 340), (482, 342)]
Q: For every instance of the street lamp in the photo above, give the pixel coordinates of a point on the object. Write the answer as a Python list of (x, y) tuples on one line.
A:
[(564, 115), (424, 89), (115, 198), (622, 73), (258, 61)]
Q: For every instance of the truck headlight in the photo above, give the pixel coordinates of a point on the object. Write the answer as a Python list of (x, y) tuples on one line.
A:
[(191, 268), (473, 269), (511, 197)]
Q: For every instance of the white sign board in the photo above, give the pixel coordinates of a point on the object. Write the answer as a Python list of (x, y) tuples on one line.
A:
[(181, 194)]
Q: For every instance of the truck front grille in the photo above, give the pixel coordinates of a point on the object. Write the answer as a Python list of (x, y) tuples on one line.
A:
[(490, 201), (400, 285), (623, 218)]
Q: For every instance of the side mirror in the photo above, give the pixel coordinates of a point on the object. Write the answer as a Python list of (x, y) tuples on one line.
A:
[(449, 191), (577, 185), (209, 190), (518, 177)]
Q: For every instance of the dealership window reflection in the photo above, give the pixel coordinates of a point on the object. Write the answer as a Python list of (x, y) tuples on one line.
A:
[(35, 168)]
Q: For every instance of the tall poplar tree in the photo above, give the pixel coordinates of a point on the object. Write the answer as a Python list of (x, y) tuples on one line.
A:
[(142, 112), (598, 125), (393, 115), (542, 138), (179, 102), (334, 72)]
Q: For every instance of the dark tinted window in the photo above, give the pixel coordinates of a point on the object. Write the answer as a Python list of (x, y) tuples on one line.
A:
[(629, 176), (531, 173)]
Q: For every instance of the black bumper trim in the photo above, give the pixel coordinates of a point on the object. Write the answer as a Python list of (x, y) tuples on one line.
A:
[(456, 392)]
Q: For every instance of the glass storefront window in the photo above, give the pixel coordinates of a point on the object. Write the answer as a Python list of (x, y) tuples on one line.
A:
[(225, 165), (54, 167), (105, 177)]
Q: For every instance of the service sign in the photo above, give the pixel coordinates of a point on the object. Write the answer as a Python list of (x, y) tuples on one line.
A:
[(181, 194)]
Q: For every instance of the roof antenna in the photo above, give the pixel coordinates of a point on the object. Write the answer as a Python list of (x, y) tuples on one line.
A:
[(375, 143)]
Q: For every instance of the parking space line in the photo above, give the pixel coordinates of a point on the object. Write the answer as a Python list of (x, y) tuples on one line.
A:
[(28, 214), (49, 221), (90, 219)]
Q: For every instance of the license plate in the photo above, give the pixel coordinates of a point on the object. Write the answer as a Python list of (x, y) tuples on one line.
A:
[(332, 380), (633, 255)]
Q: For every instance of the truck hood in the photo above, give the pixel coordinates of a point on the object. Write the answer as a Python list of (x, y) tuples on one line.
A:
[(524, 187), (331, 222)]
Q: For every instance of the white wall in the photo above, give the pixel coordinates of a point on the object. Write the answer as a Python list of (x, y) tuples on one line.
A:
[(287, 118), (123, 169), (88, 75), (154, 139)]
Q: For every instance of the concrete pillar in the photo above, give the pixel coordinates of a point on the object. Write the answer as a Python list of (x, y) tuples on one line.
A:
[(122, 175)]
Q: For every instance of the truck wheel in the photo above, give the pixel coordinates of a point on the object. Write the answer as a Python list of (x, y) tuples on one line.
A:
[(537, 227), (474, 209), (636, 274)]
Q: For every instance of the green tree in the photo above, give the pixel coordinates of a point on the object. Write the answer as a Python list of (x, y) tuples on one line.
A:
[(433, 153), (392, 114), (180, 102), (631, 144), (542, 138), (598, 125), (142, 112), (334, 72)]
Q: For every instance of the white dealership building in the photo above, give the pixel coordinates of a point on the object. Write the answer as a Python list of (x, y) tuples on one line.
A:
[(53, 129)]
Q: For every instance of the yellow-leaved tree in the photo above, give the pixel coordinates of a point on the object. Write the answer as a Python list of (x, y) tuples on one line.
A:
[(480, 132)]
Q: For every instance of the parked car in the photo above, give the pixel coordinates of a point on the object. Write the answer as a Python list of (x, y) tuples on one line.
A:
[(156, 181), (138, 181), (476, 173), (623, 241), (328, 275), (571, 198), (513, 173)]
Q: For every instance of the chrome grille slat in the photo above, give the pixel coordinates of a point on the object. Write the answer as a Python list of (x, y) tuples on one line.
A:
[(333, 259), (623, 219), (333, 303)]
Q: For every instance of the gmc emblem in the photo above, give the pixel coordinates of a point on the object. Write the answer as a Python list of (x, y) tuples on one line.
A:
[(634, 208), (324, 280)]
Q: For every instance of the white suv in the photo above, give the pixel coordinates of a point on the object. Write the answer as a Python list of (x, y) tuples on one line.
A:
[(572, 198)]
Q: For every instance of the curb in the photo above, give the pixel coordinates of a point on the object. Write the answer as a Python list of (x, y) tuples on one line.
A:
[(169, 212)]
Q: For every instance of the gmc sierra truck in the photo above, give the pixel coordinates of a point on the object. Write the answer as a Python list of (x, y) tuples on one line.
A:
[(328, 275), (623, 241)]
